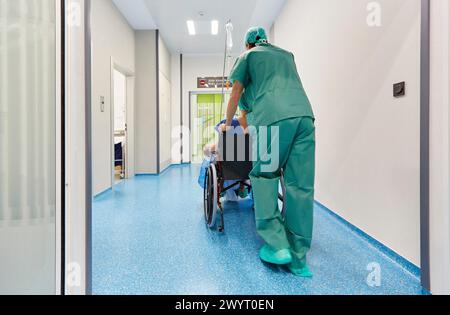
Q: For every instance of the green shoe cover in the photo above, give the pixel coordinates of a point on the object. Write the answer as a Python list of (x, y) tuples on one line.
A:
[(282, 257), (302, 272)]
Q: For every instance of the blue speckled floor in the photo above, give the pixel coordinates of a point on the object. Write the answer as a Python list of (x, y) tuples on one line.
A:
[(150, 238)]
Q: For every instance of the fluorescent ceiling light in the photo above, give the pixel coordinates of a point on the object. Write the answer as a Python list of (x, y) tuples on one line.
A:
[(191, 27), (215, 27)]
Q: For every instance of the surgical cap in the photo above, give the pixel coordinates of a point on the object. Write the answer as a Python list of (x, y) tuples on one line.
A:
[(256, 35)]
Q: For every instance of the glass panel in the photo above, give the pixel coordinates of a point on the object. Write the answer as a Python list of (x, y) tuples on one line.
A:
[(207, 111), (27, 146)]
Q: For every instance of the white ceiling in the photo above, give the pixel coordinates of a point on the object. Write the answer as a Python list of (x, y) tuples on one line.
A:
[(137, 14), (170, 16)]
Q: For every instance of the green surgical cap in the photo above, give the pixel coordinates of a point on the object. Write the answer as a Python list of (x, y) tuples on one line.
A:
[(256, 35)]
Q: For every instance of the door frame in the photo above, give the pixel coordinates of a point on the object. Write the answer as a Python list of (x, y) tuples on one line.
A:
[(129, 145), (425, 80), (77, 185), (60, 145)]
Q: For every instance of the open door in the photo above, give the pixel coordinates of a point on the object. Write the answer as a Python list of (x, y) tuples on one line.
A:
[(122, 123), (120, 126)]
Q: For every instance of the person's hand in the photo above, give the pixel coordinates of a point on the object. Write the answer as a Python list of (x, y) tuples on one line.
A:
[(224, 128)]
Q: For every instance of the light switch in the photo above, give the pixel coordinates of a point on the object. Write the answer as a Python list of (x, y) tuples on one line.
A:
[(400, 89), (102, 104)]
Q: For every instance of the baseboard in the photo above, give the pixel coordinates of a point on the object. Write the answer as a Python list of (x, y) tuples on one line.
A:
[(406, 264), (162, 171), (102, 193)]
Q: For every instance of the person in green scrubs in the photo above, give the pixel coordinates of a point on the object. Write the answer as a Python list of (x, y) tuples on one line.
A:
[(267, 86)]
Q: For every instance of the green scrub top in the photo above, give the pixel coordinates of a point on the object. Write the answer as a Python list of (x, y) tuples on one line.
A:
[(273, 89)]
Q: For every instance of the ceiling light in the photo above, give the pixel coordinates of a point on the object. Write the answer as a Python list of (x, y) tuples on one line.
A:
[(215, 27), (191, 27)]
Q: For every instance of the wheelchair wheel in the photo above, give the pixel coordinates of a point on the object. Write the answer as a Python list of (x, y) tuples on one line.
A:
[(211, 196), (282, 196)]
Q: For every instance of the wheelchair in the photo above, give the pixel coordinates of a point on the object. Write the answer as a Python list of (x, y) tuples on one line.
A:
[(232, 162)]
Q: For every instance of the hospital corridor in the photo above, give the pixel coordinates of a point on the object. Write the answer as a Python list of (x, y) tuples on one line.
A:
[(171, 252), (194, 148)]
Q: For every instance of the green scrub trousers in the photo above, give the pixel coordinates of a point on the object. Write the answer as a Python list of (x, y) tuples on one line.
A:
[(297, 147)]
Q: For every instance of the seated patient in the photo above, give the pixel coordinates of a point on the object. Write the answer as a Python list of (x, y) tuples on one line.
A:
[(239, 127)]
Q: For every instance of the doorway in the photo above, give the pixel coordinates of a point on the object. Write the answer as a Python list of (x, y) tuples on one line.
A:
[(207, 111), (122, 124)]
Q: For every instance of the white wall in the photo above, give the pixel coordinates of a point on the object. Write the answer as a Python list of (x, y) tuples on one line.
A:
[(440, 147), (176, 108), (106, 44), (193, 68), (165, 104), (145, 103), (368, 142), (131, 149)]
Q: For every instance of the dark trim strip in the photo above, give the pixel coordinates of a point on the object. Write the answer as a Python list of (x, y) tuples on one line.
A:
[(63, 147), (181, 109), (88, 95), (425, 145), (158, 124), (190, 127)]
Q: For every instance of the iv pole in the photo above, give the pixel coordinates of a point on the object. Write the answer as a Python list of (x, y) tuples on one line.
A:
[(228, 46)]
